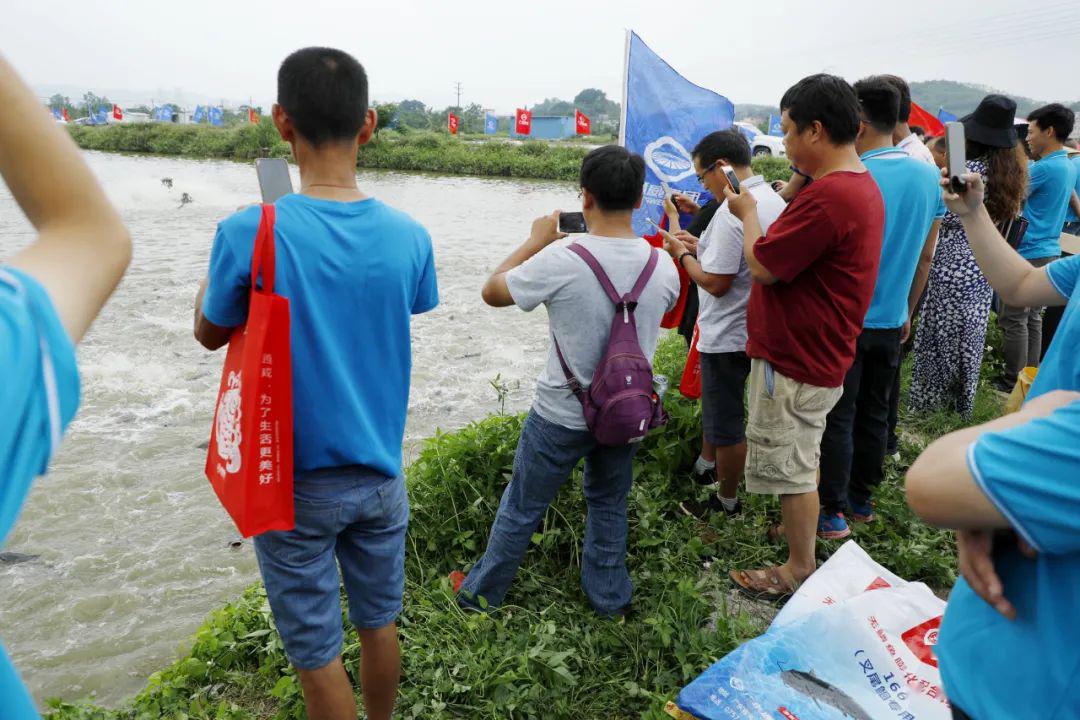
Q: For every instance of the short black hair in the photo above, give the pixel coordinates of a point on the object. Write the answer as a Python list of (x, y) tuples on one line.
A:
[(827, 99), (729, 144), (324, 92), (1054, 115), (905, 96), (614, 176), (879, 101), (917, 130)]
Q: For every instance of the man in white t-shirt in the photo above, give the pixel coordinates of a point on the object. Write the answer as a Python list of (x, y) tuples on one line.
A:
[(555, 437), (903, 138), (723, 280)]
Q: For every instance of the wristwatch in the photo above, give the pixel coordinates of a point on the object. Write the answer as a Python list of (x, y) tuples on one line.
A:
[(684, 255)]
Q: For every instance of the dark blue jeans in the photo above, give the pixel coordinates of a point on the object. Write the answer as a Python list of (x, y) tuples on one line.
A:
[(546, 455)]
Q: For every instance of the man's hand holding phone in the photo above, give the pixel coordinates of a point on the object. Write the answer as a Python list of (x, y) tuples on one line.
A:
[(685, 204), (740, 204), (545, 230), (672, 244)]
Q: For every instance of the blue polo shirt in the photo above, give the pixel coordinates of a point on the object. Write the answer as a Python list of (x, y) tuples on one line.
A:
[(39, 393), (1071, 216), (912, 194), (1030, 667), (1050, 184), (354, 273)]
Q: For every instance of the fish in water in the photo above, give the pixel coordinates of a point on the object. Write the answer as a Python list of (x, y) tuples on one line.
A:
[(820, 691), (185, 199), (167, 182), (13, 557)]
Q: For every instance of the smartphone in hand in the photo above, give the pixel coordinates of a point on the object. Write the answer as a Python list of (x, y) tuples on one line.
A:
[(274, 180), (732, 181), (956, 155), (572, 222)]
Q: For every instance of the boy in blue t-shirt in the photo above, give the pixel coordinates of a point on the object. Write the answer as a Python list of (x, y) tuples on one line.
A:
[(1050, 189), (355, 270), (857, 429), (50, 292), (1010, 644)]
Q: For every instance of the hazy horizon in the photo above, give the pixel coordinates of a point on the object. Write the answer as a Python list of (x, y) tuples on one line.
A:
[(513, 56)]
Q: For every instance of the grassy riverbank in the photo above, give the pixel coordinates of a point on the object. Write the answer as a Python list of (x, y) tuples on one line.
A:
[(546, 654), (424, 151)]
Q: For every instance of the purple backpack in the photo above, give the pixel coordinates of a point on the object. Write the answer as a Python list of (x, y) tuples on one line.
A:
[(619, 405)]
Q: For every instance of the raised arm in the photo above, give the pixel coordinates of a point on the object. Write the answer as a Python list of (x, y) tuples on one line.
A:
[(1017, 282), (83, 248)]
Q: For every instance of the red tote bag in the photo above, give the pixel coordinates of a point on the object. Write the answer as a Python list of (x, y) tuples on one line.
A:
[(690, 384), (250, 458)]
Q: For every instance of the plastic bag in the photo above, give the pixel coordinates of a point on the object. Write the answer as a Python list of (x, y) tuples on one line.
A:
[(1020, 390), (838, 653)]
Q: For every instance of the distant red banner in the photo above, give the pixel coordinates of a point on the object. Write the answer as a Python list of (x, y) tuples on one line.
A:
[(452, 123), (523, 122), (581, 121)]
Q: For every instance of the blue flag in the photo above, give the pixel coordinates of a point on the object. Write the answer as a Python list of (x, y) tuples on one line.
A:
[(200, 114), (217, 116), (163, 113), (57, 114), (664, 117), (491, 124), (945, 116), (101, 117), (774, 126)]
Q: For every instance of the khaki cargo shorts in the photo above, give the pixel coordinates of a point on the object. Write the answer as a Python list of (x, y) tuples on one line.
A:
[(783, 432)]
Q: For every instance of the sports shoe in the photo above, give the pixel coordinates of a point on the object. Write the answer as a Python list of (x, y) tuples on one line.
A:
[(705, 479), (702, 509), (832, 527), (862, 512), (456, 579)]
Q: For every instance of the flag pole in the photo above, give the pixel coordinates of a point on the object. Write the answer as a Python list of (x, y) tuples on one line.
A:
[(625, 89)]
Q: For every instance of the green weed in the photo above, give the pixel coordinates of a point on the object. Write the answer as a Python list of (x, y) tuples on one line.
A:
[(545, 653)]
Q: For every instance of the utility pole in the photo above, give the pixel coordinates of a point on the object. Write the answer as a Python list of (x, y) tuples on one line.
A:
[(457, 86)]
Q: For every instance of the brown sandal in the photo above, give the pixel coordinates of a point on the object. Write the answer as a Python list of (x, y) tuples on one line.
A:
[(766, 584), (775, 533)]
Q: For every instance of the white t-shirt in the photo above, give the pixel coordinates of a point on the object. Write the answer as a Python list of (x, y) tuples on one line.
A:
[(722, 320), (917, 149), (580, 312)]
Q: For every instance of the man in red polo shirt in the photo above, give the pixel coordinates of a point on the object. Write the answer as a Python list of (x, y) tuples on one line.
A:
[(814, 276)]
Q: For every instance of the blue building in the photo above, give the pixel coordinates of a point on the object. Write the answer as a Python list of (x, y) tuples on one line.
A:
[(547, 127)]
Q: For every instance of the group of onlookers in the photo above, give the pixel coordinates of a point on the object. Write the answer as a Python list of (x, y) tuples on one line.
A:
[(807, 294)]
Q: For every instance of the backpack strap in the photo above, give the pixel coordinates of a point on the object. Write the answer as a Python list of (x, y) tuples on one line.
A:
[(644, 277), (627, 303), (605, 282), (571, 380), (262, 257), (597, 269)]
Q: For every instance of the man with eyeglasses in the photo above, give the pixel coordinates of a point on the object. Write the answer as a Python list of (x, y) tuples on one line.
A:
[(723, 287)]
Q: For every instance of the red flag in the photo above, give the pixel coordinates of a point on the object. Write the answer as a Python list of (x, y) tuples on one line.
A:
[(117, 113), (523, 122), (581, 120), (253, 117), (926, 121), (66, 118), (452, 123)]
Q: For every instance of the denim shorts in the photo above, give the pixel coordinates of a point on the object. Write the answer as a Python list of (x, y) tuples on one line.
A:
[(350, 515)]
